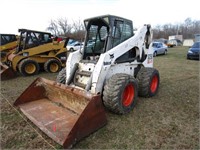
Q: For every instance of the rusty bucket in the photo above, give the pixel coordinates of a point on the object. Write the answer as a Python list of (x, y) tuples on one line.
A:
[(6, 72), (64, 113)]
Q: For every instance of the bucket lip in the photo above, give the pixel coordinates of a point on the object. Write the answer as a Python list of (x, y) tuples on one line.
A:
[(74, 90)]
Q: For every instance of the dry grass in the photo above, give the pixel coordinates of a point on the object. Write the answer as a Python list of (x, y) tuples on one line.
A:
[(170, 120)]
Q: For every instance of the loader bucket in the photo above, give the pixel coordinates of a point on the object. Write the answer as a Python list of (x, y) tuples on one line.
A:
[(64, 113), (6, 72)]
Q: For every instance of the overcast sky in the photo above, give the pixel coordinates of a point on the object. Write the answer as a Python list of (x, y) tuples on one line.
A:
[(36, 14)]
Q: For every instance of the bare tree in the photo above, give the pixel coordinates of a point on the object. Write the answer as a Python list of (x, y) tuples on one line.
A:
[(53, 27), (76, 30), (64, 26), (79, 30), (188, 28), (156, 32), (196, 26)]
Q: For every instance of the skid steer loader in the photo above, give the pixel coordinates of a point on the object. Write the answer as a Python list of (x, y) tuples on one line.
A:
[(112, 69), (8, 42), (35, 50)]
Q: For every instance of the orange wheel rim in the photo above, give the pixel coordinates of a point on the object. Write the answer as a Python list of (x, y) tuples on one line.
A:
[(154, 84), (128, 95)]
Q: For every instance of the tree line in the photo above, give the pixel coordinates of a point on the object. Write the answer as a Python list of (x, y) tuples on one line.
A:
[(62, 27), (76, 29), (188, 28)]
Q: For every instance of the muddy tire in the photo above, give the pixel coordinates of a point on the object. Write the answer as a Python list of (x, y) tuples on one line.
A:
[(148, 82), (28, 67), (61, 77), (120, 93), (52, 66)]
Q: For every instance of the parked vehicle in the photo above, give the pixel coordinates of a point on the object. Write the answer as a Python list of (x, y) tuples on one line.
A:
[(170, 44), (71, 41), (194, 51), (175, 42), (35, 50), (74, 46), (165, 41), (8, 42), (159, 48)]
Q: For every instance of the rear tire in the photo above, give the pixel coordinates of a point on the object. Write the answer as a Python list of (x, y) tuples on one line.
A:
[(149, 80), (155, 54), (120, 93), (52, 66), (61, 77), (165, 53), (28, 67)]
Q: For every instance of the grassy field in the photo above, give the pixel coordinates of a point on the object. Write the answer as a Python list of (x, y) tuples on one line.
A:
[(170, 120)]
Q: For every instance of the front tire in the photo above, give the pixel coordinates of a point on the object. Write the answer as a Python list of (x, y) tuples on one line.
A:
[(149, 80), (28, 67), (120, 93), (52, 66)]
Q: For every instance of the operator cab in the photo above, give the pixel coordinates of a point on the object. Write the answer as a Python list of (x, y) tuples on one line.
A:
[(30, 39), (104, 33), (7, 38)]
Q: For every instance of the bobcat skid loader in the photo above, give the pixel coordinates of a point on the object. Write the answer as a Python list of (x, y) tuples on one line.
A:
[(35, 50), (8, 42), (111, 70)]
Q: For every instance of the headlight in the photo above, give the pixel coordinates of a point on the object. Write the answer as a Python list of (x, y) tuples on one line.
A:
[(190, 52)]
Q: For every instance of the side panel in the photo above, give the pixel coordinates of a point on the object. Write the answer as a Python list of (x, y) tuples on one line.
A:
[(127, 68), (8, 46), (73, 58), (149, 60)]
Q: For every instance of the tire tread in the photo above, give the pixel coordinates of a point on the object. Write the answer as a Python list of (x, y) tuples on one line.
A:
[(111, 94)]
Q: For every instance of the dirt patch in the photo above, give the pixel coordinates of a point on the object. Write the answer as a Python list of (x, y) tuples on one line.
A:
[(170, 120)]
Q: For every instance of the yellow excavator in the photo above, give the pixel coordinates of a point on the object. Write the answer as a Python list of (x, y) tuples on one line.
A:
[(35, 50), (8, 42), (110, 71)]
